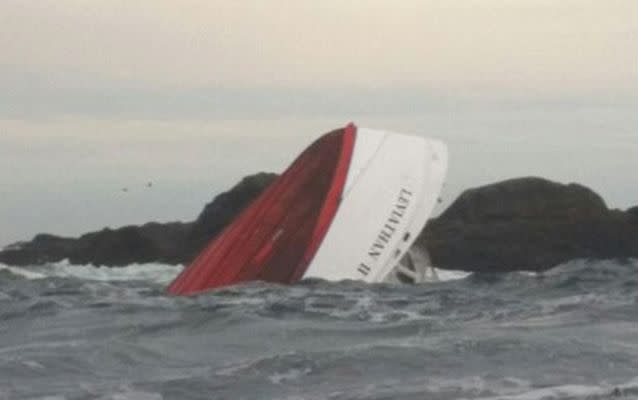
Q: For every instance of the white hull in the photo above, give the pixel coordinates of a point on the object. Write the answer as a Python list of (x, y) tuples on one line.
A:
[(393, 184)]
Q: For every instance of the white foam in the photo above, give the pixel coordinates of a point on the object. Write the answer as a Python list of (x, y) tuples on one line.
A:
[(290, 375), (25, 273), (451, 275), (512, 388), (153, 272), (556, 392)]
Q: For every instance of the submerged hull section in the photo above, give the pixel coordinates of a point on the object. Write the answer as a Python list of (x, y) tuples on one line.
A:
[(349, 207), (277, 236)]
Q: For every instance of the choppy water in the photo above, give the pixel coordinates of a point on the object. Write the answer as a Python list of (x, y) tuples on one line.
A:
[(70, 332)]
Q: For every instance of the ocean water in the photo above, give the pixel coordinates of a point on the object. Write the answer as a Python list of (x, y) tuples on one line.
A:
[(79, 332)]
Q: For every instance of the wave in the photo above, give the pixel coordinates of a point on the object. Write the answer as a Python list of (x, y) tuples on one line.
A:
[(151, 272), (22, 272), (565, 334)]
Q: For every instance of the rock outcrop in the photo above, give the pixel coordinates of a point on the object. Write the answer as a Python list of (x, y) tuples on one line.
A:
[(519, 224), (528, 224), (152, 242), (171, 243)]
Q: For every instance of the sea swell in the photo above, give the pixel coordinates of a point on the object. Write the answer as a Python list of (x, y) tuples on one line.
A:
[(76, 332)]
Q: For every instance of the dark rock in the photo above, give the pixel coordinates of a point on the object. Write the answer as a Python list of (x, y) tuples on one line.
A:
[(525, 198), (172, 243), (530, 224), (152, 242), (526, 223), (43, 248)]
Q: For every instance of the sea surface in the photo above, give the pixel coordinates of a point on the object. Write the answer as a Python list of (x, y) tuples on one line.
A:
[(79, 332)]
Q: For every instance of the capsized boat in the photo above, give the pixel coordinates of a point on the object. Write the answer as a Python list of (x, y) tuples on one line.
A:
[(349, 207)]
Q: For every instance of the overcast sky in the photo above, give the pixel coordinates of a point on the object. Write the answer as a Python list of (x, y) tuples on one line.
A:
[(85, 84), (537, 46)]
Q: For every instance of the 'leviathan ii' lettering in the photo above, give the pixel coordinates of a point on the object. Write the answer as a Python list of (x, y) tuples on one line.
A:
[(388, 230)]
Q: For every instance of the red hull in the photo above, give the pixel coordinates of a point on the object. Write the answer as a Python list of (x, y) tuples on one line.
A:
[(276, 237)]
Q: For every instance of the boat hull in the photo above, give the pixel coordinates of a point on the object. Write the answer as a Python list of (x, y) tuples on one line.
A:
[(349, 207), (277, 236)]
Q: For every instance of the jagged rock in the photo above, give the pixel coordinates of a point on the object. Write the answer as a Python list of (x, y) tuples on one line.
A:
[(530, 224)]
